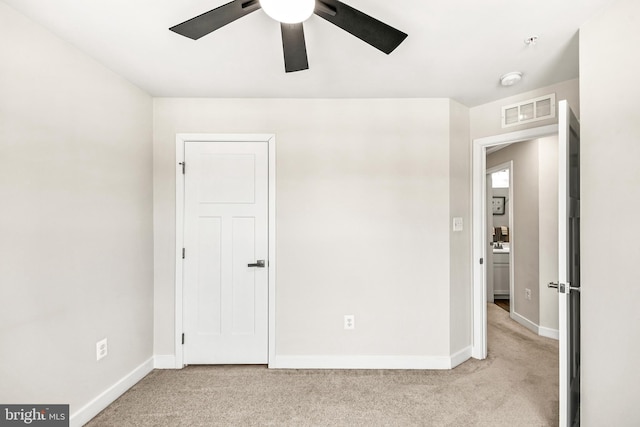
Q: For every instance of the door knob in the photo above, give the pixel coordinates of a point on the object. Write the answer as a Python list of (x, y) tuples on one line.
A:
[(259, 263), (562, 287)]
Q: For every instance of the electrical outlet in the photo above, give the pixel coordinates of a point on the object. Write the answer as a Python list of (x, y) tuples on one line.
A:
[(527, 293), (349, 321), (101, 349)]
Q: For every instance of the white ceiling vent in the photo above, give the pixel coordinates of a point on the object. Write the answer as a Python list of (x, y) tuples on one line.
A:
[(529, 111)]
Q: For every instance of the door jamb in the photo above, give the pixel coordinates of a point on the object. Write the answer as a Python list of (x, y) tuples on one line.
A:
[(181, 140), (479, 237)]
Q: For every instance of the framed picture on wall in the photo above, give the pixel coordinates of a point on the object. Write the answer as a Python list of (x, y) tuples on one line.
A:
[(498, 205)]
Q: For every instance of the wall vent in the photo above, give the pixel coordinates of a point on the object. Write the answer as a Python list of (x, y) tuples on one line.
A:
[(529, 111)]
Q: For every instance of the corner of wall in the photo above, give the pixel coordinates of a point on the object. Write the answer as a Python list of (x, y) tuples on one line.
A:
[(108, 396), (461, 286)]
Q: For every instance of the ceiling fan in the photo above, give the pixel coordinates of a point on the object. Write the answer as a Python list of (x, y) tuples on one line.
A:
[(291, 14)]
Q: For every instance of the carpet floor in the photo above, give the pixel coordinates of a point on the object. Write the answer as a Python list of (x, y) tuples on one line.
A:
[(517, 385)]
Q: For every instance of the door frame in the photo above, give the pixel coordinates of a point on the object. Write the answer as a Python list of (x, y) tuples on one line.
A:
[(181, 140), (479, 234)]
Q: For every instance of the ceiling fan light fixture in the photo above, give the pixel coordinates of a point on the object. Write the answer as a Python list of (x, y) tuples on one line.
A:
[(510, 79), (288, 11), (291, 14)]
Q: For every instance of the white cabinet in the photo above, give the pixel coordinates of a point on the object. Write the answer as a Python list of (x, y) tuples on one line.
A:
[(500, 275)]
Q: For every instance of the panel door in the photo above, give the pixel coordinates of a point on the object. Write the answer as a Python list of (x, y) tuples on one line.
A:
[(226, 239)]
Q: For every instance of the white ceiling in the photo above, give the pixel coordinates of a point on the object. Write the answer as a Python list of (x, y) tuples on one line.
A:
[(456, 48)]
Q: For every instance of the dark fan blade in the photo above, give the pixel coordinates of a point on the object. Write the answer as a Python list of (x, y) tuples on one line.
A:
[(210, 21), (368, 29), (295, 50)]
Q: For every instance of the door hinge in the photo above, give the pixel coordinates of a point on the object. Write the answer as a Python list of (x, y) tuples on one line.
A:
[(182, 338), (184, 253), (184, 166), (481, 261)]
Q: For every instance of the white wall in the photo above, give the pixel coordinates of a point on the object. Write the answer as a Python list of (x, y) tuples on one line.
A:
[(75, 223), (363, 219), (460, 241), (609, 93)]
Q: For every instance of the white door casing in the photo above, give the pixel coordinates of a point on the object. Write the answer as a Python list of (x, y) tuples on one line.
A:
[(479, 220), (225, 221)]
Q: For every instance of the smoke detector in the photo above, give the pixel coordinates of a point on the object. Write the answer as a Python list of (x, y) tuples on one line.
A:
[(510, 79)]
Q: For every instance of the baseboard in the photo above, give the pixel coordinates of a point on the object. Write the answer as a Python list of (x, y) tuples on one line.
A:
[(107, 397), (164, 361), (525, 322), (370, 362), (538, 330), (460, 357), (549, 333)]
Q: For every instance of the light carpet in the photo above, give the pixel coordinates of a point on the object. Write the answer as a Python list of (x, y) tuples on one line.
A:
[(517, 385)]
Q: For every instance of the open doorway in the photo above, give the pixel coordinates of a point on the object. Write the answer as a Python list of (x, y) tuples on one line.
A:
[(481, 237), (522, 228)]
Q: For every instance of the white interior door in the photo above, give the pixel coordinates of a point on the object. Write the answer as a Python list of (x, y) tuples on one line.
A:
[(225, 277), (569, 265)]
